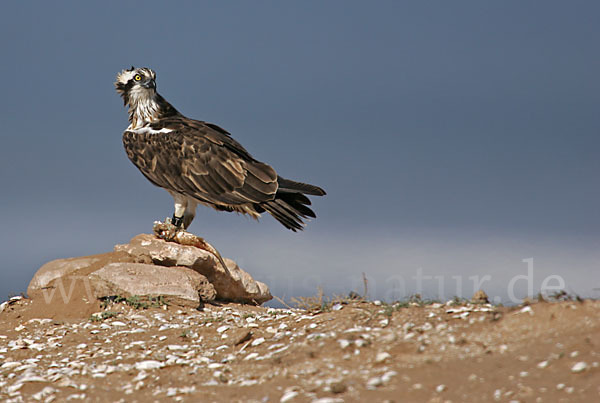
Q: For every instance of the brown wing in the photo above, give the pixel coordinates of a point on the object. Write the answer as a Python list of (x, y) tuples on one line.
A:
[(200, 160)]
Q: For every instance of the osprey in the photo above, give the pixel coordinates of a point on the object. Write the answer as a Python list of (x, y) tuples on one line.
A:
[(199, 162)]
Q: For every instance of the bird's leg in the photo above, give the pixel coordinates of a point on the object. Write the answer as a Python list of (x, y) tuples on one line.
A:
[(169, 229), (180, 206), (190, 213), (174, 230)]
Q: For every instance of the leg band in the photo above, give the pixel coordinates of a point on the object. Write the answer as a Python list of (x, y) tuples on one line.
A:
[(177, 221)]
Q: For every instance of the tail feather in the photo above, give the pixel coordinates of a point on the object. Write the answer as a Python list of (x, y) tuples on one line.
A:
[(290, 204), (287, 185)]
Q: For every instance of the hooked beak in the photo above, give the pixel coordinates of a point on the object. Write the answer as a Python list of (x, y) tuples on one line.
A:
[(149, 84)]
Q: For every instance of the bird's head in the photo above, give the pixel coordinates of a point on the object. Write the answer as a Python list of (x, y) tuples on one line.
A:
[(136, 84)]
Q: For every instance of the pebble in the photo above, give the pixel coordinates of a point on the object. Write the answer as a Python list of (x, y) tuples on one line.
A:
[(10, 364), (13, 388), (140, 376), (526, 309), (382, 356), (288, 396), (579, 367), (223, 328), (343, 343), (374, 382), (257, 342), (338, 387), (43, 393), (440, 388), (149, 364), (385, 378), (250, 356)]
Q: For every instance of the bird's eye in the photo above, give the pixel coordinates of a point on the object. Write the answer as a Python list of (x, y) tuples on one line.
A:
[(137, 77)]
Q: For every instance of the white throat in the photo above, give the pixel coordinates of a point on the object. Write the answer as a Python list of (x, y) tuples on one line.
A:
[(143, 108)]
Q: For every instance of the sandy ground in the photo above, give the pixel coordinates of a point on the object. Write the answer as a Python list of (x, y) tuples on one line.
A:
[(351, 352)]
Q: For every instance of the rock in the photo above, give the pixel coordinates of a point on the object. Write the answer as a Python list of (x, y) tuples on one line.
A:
[(579, 367), (382, 356), (338, 387), (238, 286), (181, 284), (480, 297), (288, 396), (374, 382), (58, 268), (149, 364), (344, 343), (542, 364), (257, 342), (147, 266)]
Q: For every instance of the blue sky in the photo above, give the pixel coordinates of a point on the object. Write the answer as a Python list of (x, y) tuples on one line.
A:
[(458, 138)]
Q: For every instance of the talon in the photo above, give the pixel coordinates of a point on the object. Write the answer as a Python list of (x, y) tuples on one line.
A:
[(166, 230)]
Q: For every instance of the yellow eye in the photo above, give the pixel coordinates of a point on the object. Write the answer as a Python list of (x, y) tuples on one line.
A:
[(137, 77)]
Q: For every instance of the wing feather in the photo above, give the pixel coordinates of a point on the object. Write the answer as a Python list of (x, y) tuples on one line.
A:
[(200, 161)]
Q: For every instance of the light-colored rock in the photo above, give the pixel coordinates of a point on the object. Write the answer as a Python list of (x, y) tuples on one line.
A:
[(148, 266), (579, 367), (149, 364), (288, 396), (258, 342), (184, 285), (382, 356), (58, 268), (239, 286), (374, 382)]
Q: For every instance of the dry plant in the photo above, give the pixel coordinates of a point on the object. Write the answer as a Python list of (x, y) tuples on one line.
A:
[(316, 303), (321, 303)]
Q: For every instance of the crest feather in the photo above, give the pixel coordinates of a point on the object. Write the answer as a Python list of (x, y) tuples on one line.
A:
[(124, 76)]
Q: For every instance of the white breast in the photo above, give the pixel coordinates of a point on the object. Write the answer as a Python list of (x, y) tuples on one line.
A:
[(149, 130)]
